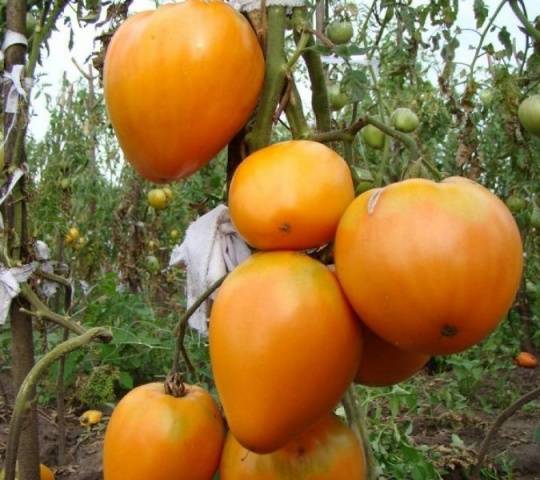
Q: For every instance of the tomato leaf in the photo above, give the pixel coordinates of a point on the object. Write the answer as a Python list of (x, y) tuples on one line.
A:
[(480, 12)]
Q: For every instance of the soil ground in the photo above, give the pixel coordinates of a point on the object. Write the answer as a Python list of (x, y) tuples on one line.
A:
[(515, 440)]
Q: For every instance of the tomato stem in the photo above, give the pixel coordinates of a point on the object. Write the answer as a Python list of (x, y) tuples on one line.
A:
[(174, 385)]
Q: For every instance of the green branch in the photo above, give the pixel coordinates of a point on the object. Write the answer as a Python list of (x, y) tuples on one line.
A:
[(276, 69), (319, 95), (483, 36), (27, 390), (531, 30), (295, 113)]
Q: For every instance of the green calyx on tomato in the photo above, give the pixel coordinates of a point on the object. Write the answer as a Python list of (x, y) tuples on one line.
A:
[(373, 137), (339, 32), (529, 114), (404, 120)]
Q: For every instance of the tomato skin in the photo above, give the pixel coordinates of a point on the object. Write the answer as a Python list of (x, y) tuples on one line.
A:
[(278, 316), (45, 473), (373, 137), (290, 195), (526, 360), (382, 364), (175, 91), (327, 451), (529, 114), (430, 268), (155, 435), (405, 120), (339, 32)]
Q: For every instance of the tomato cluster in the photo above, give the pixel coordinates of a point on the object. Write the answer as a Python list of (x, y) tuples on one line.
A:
[(421, 269)]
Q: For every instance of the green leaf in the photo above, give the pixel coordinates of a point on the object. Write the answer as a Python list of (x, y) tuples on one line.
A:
[(125, 380), (506, 40), (480, 12)]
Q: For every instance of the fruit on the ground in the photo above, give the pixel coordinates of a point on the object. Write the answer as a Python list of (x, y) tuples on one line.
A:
[(516, 203), (429, 267), (526, 360), (373, 137), (337, 99), (327, 451), (90, 417), (45, 473), (179, 83), (152, 434), (290, 195), (284, 345), (529, 114), (157, 199), (339, 32), (404, 120), (382, 364)]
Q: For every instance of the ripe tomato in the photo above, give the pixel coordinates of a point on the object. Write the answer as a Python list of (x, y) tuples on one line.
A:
[(157, 199), (382, 364), (45, 473), (429, 267), (529, 114), (327, 451), (526, 360), (154, 435), (179, 83), (290, 195), (340, 33), (404, 120), (284, 346), (373, 137)]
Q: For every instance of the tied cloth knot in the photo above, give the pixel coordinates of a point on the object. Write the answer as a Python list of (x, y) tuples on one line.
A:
[(212, 247)]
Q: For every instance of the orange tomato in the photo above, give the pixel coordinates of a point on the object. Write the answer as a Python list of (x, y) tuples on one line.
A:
[(382, 364), (158, 436), (179, 83), (45, 473), (526, 360), (327, 451), (284, 346), (290, 196), (429, 267)]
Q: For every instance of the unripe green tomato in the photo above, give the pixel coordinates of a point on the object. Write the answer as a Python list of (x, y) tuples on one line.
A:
[(529, 114), (157, 199), (534, 219), (373, 137), (65, 183), (336, 98), (515, 203), (152, 263), (339, 33), (404, 120), (486, 97), (174, 233), (532, 289)]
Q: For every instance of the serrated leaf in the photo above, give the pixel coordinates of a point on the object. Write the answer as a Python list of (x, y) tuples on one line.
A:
[(480, 12)]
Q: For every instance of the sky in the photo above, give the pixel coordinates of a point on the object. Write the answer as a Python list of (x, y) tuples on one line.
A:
[(53, 68)]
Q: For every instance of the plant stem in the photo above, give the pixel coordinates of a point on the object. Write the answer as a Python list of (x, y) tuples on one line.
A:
[(319, 95), (274, 80), (357, 421), (27, 390), (503, 416), (483, 36), (531, 30), (295, 113), (42, 310)]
